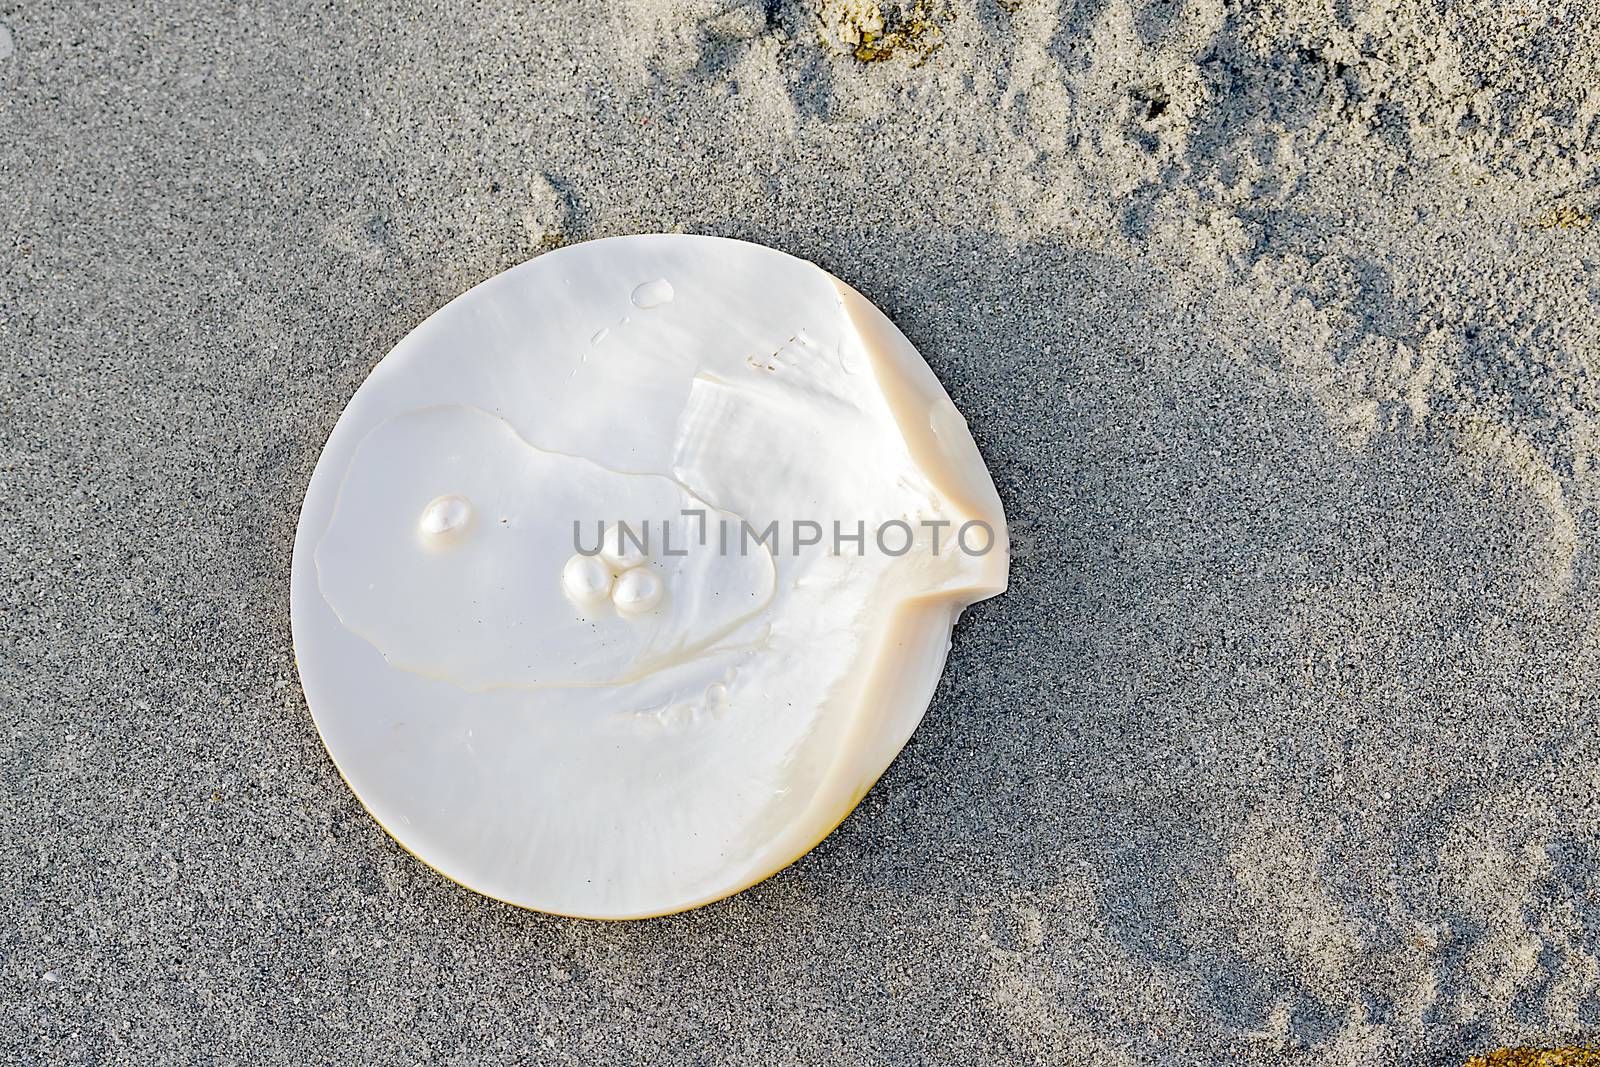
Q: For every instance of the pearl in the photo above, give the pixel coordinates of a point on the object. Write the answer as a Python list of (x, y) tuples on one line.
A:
[(624, 550), (637, 591), (587, 580), (445, 517)]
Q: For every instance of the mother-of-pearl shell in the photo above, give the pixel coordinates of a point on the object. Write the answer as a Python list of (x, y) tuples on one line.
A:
[(584, 724)]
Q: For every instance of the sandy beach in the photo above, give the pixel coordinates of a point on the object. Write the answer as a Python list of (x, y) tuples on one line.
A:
[(1278, 326)]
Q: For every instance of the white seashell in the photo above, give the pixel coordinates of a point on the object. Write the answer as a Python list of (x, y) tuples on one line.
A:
[(594, 727)]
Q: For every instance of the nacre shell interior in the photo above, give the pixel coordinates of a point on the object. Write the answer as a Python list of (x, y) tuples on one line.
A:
[(644, 728)]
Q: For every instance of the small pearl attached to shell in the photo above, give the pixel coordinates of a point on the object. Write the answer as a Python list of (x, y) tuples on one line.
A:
[(623, 545), (637, 591), (445, 518), (587, 580)]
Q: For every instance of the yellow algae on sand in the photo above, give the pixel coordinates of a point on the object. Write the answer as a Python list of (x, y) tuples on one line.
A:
[(1537, 1057), (864, 29), (1566, 217)]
